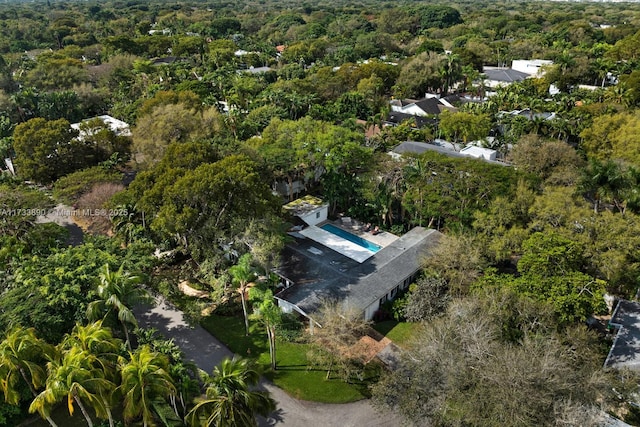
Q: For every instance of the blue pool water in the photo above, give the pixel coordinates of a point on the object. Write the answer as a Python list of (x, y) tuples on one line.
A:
[(351, 237)]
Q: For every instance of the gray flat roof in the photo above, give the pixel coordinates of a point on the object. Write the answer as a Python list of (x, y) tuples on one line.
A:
[(625, 351), (330, 275), (506, 75)]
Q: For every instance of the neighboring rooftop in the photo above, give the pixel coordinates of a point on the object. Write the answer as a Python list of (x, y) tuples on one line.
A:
[(396, 118), (446, 148), (532, 67), (479, 152), (625, 351), (505, 75), (416, 147), (117, 126), (255, 70), (528, 114), (431, 105)]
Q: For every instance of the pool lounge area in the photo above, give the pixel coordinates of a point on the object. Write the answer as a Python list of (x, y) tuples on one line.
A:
[(348, 239), (351, 237)]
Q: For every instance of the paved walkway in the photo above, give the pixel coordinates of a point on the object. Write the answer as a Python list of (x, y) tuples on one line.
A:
[(206, 351), (63, 215)]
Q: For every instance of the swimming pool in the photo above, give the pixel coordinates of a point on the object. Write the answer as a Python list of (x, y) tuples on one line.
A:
[(351, 237)]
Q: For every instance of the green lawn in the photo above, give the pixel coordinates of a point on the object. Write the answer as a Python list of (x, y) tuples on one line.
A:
[(292, 374), (400, 333)]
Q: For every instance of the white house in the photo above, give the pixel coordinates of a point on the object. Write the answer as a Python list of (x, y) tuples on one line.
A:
[(532, 67)]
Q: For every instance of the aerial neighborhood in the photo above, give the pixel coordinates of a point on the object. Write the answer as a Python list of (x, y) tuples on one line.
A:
[(372, 213)]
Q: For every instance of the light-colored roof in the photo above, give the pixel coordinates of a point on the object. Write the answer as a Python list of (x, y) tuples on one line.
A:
[(117, 126), (479, 152), (255, 70)]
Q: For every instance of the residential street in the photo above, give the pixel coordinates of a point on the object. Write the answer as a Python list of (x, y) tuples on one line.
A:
[(206, 351)]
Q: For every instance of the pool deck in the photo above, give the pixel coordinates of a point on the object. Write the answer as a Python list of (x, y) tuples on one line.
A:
[(337, 243), (382, 239), (344, 246)]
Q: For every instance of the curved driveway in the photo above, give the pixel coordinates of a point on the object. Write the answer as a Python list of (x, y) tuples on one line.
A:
[(206, 351)]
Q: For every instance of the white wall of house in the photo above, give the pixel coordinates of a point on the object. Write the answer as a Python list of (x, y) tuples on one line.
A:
[(371, 310), (285, 306), (316, 216), (533, 67), (479, 152)]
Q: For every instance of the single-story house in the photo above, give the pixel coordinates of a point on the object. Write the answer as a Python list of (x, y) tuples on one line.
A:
[(446, 148), (625, 351), (312, 273), (417, 147)]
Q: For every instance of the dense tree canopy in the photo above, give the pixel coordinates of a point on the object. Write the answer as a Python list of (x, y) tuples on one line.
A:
[(236, 107)]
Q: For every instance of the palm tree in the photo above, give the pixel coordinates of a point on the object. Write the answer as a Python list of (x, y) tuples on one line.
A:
[(270, 315), (242, 274), (21, 353), (605, 180), (101, 357), (228, 400), (117, 291), (450, 71), (73, 376), (145, 380)]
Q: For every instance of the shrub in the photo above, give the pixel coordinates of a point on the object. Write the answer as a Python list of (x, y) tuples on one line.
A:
[(70, 188), (94, 217)]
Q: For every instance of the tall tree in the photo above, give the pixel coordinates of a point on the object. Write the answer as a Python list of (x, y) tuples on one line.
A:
[(463, 126), (100, 356), (117, 291), (229, 400), (242, 274), (270, 315), (495, 360), (606, 182), (73, 377), (145, 380), (44, 149), (213, 203), (22, 355)]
